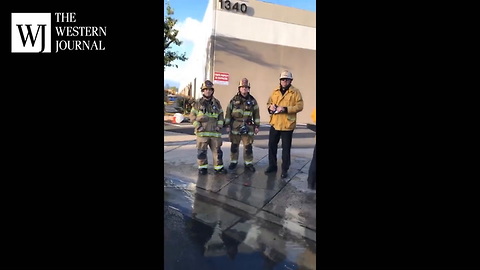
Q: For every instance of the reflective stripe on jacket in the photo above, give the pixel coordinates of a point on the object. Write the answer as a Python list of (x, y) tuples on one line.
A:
[(242, 110), (207, 114)]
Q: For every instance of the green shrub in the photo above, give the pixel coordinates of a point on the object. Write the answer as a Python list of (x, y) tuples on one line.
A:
[(184, 103)]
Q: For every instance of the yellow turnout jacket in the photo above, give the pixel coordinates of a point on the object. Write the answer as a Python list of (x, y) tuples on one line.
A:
[(292, 99)]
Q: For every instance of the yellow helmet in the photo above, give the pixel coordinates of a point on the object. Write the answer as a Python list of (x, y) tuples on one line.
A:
[(286, 75), (207, 84), (244, 82)]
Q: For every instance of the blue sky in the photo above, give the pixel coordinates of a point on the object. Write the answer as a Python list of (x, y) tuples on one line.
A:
[(189, 14)]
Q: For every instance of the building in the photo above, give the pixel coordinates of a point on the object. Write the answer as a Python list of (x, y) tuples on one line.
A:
[(255, 40)]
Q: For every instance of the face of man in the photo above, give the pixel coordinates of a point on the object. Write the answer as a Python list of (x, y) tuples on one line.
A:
[(208, 92), (285, 82), (244, 90)]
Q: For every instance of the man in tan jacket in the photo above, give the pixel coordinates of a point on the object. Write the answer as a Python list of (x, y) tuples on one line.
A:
[(283, 105)]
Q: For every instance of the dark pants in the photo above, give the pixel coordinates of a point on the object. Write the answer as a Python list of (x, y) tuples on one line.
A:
[(312, 172), (273, 139)]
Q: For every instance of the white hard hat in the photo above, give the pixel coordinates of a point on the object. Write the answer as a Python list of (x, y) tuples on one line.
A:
[(286, 75)]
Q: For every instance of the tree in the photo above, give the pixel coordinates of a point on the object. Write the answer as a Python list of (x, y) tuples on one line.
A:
[(169, 38), (184, 103)]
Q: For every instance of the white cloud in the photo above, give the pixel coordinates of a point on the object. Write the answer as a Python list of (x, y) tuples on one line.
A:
[(176, 74), (189, 32)]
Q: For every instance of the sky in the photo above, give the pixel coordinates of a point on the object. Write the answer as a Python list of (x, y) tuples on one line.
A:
[(189, 14)]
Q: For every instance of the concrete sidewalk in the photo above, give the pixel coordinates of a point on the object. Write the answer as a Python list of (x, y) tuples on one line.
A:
[(284, 202)]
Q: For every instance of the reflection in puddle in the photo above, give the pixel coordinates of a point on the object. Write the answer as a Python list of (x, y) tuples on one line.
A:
[(190, 244), (201, 234), (181, 194)]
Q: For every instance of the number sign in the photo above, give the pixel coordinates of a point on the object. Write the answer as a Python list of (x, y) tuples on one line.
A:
[(236, 7)]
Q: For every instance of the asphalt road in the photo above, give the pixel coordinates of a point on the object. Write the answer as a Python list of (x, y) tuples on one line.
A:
[(303, 137)]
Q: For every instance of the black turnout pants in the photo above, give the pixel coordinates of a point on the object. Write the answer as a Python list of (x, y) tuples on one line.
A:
[(273, 139), (312, 172)]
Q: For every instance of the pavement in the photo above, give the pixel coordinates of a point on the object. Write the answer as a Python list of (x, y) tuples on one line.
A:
[(303, 136), (286, 203)]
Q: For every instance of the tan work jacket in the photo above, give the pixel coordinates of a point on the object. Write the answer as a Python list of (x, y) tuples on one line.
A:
[(292, 99)]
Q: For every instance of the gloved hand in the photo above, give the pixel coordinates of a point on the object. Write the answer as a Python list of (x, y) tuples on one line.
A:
[(218, 128), (280, 109)]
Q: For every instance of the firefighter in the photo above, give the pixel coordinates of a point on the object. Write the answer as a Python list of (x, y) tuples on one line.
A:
[(208, 120), (242, 120), (312, 172), (283, 105)]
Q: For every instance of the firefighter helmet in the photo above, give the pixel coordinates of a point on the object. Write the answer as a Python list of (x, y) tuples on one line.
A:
[(207, 84), (286, 75), (244, 82)]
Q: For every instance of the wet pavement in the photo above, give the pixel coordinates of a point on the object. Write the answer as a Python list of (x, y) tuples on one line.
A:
[(243, 219)]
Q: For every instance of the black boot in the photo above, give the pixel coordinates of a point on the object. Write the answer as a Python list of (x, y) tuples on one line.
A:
[(232, 166), (221, 171), (271, 169), (202, 171), (284, 174), (250, 167)]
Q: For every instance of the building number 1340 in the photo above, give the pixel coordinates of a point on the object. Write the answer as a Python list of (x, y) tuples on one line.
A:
[(229, 6)]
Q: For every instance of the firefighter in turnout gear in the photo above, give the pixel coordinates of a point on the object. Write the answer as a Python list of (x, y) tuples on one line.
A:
[(242, 119), (208, 120)]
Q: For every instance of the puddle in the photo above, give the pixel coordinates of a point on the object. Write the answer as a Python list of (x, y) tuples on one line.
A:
[(179, 194), (190, 244), (223, 240)]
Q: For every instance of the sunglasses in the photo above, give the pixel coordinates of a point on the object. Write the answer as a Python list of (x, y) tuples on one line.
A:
[(284, 79)]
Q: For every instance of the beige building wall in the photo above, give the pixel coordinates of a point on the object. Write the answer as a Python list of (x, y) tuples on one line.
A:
[(262, 63), (258, 45)]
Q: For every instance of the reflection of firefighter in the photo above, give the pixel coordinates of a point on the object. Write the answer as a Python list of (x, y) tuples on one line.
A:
[(208, 229), (242, 119), (215, 247), (199, 232), (208, 217), (231, 244), (267, 242), (207, 118)]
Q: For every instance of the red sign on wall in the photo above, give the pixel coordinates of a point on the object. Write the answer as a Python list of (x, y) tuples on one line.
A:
[(221, 78)]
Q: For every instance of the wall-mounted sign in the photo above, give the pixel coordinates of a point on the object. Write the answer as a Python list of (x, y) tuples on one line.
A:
[(221, 78), (233, 6)]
